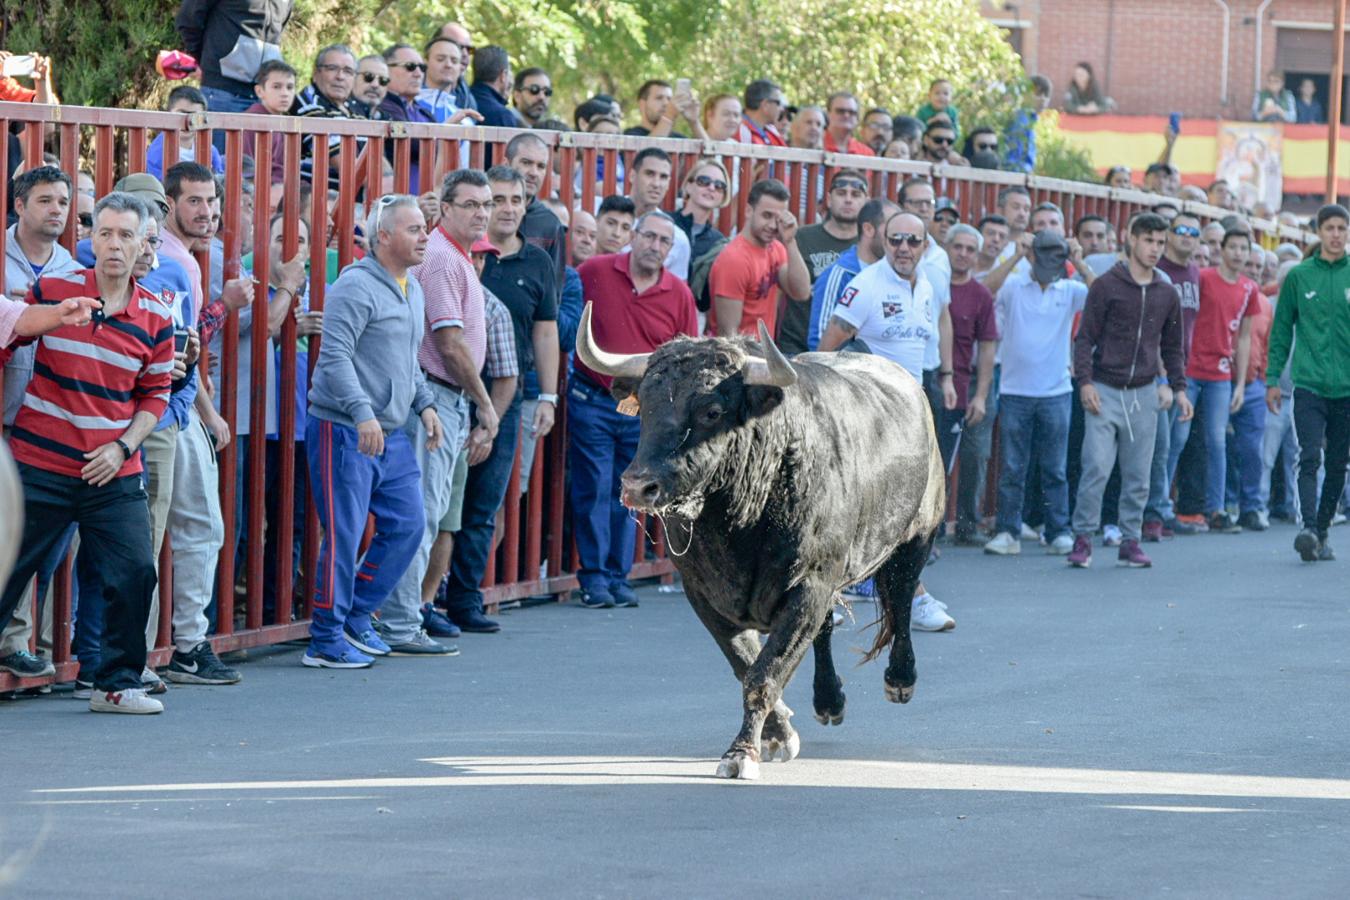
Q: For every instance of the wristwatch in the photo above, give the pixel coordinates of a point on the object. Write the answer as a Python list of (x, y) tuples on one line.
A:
[(549, 398), (126, 451)]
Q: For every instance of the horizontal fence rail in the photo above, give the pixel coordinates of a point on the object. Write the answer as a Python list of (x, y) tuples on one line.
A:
[(535, 556)]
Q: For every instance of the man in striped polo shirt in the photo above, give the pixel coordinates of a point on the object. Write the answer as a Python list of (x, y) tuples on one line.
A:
[(96, 394)]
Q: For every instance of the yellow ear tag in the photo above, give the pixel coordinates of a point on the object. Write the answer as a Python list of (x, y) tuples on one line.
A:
[(628, 406)]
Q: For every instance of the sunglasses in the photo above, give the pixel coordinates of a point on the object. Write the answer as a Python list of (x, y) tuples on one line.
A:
[(847, 184), (708, 181), (86, 220), (898, 240), (944, 141), (534, 90), (1186, 230), (412, 66), (371, 78), (991, 146)]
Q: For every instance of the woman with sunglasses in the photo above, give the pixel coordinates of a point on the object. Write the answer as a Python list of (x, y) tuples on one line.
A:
[(707, 189)]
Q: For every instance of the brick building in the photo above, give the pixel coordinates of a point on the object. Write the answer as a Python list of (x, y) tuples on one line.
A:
[(1158, 56)]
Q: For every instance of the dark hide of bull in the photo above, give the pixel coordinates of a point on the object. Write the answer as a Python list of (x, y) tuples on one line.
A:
[(775, 499)]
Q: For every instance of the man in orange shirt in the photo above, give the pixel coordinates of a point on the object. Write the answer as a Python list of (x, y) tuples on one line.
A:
[(843, 118), (747, 274)]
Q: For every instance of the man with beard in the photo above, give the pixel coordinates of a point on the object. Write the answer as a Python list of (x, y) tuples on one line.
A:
[(820, 245), (531, 95)]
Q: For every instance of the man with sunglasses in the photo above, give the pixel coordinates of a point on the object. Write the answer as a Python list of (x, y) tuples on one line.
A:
[(401, 104), (820, 245), (759, 120), (532, 95), (939, 144), (842, 109), (372, 81), (891, 307)]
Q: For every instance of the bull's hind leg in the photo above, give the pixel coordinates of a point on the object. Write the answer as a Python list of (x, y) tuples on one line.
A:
[(896, 580), (796, 625), (828, 688)]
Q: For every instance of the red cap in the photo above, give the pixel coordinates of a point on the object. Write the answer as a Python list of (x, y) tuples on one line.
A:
[(483, 245), (175, 64)]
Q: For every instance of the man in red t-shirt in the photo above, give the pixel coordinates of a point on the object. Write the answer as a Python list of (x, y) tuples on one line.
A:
[(636, 306), (1227, 305), (747, 274), (96, 394), (843, 119)]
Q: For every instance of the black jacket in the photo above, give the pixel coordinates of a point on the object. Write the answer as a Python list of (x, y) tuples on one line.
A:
[(1126, 326), (232, 38)]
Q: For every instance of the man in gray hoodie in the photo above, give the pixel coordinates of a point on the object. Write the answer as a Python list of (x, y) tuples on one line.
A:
[(361, 460), (1131, 319)]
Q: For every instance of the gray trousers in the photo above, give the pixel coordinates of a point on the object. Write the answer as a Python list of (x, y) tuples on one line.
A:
[(1125, 429), (401, 612), (195, 531)]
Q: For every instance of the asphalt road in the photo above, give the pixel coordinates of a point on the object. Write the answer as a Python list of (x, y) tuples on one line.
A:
[(1180, 731)]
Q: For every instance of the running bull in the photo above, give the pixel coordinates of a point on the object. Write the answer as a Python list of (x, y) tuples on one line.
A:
[(781, 483)]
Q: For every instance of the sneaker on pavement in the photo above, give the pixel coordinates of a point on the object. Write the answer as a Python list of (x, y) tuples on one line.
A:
[(437, 623), (1324, 553), (1081, 555), (134, 701), (475, 622), (152, 683), (1176, 526), (344, 656), (1338, 519), (1111, 536), (83, 690), (1251, 521), (1131, 556), (1197, 522), (422, 645), (1028, 533), (624, 595), (927, 613), (200, 665), (1223, 523), (1060, 546), (367, 642), (1003, 544), (1307, 544), (596, 597), (1152, 531), (26, 665)]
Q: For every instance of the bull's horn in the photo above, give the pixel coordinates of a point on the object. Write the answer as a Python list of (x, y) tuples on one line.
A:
[(615, 365), (774, 369)]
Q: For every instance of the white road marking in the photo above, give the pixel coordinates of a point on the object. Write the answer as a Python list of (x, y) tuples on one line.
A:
[(551, 771), (154, 800), (1184, 809)]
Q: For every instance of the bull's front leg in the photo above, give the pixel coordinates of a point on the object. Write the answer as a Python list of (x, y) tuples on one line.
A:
[(797, 624)]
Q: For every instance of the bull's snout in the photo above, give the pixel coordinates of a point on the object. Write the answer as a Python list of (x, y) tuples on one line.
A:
[(640, 491)]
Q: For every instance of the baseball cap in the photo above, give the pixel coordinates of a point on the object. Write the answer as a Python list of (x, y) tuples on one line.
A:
[(945, 204), (483, 245), (146, 188)]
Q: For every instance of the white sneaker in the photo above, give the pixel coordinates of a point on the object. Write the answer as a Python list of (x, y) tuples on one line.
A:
[(930, 614), (132, 700), (1060, 546), (837, 618), (1029, 533), (1112, 536), (1004, 544)]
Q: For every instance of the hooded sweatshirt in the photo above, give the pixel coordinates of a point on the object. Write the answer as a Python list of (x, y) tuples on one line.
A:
[(1125, 326), (1315, 298), (367, 367)]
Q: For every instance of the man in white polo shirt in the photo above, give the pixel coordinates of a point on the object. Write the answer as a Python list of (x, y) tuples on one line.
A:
[(1035, 313), (890, 306)]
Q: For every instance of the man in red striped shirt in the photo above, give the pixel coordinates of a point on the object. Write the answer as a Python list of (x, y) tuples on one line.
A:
[(96, 394)]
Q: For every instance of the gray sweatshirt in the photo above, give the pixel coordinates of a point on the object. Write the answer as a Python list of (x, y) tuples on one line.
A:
[(367, 364)]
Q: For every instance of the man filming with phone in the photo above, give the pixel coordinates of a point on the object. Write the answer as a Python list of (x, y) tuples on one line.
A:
[(14, 66)]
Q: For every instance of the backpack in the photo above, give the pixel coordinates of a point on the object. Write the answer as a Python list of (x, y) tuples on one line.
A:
[(699, 272)]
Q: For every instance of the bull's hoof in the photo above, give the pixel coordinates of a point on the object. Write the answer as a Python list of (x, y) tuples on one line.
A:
[(832, 715), (784, 749), (738, 764), (899, 693)]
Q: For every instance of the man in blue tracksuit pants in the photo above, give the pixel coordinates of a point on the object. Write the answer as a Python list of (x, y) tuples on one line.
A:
[(361, 460)]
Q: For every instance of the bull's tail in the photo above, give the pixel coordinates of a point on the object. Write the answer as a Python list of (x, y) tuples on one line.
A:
[(885, 626), (896, 582)]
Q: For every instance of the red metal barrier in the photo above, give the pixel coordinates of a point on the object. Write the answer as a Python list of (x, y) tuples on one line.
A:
[(114, 143)]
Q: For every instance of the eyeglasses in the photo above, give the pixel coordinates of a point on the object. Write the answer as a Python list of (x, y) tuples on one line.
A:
[(411, 66), (708, 181), (848, 113), (919, 204), (475, 206), (896, 240), (534, 90), (371, 78), (991, 146), (153, 241), (334, 67), (658, 239), (944, 141), (849, 184), (1186, 230), (86, 220)]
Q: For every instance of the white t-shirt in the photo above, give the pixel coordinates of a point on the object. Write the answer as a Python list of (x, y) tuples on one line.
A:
[(893, 319), (1035, 327), (937, 268)]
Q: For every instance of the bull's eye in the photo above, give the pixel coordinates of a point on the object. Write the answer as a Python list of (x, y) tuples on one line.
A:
[(712, 414)]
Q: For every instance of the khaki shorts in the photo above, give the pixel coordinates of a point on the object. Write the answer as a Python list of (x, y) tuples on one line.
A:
[(454, 514)]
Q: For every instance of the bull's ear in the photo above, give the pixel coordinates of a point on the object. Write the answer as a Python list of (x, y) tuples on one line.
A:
[(760, 400)]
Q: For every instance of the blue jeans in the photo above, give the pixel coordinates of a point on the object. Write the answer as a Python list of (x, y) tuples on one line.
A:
[(1034, 428), (484, 492), (1159, 507), (1243, 486), (348, 487), (1279, 437), (1211, 400), (218, 100), (601, 442)]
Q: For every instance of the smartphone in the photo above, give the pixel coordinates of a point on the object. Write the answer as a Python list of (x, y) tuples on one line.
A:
[(19, 66), (1174, 123), (180, 340), (683, 86)]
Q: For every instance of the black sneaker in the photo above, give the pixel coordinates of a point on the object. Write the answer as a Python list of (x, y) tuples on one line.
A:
[(596, 598), (1223, 523), (200, 666), (1307, 544), (26, 665), (1251, 521), (474, 622)]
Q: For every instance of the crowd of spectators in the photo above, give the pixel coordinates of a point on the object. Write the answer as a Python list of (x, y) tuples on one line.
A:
[(441, 345)]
